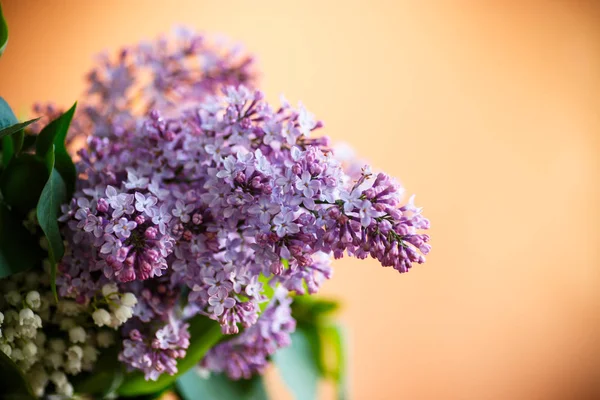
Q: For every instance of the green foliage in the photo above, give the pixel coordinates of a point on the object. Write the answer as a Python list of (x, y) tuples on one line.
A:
[(48, 207), (52, 139), (268, 291), (43, 181), (317, 350), (22, 182), (333, 357), (204, 333), (298, 366), (13, 385), (17, 127), (219, 387), (18, 248), (7, 117), (106, 378), (3, 32)]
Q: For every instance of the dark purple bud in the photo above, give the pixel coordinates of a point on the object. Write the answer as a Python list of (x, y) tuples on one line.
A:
[(135, 335), (197, 219), (102, 205), (151, 233)]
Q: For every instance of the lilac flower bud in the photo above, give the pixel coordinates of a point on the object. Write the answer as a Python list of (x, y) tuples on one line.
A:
[(151, 233), (169, 136), (102, 205), (135, 335), (197, 219), (140, 219), (297, 169), (177, 229)]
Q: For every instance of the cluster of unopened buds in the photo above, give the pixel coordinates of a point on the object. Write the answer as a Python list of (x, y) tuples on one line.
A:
[(51, 341)]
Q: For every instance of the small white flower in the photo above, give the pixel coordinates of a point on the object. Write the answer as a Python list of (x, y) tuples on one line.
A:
[(38, 379), (105, 339), (101, 317), (67, 323), (53, 360), (123, 313), (13, 297), (90, 354), (57, 345), (40, 338), (73, 366), (65, 390), (9, 334), (29, 350), (6, 349), (58, 378), (17, 354), (69, 308), (109, 288), (26, 317), (74, 353), (129, 300), (1, 318), (33, 300), (77, 334)]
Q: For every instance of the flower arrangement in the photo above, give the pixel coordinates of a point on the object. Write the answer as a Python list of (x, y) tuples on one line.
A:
[(191, 231)]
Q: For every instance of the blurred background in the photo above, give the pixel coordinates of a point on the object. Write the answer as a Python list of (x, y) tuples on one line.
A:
[(488, 111)]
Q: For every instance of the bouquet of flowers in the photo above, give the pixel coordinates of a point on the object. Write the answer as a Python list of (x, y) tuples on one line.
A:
[(191, 231)]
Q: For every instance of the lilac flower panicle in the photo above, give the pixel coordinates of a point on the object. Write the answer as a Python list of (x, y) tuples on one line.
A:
[(192, 185)]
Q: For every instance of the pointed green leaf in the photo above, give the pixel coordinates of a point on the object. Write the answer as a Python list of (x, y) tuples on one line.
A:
[(204, 332), (55, 133), (19, 249), (13, 385), (14, 128), (3, 32), (191, 386), (298, 365), (48, 208), (333, 345), (8, 149), (7, 116), (22, 182)]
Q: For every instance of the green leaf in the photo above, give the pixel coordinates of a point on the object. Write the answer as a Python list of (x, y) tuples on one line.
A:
[(53, 195), (311, 310), (333, 353), (7, 116), (204, 334), (298, 365), (22, 182), (268, 291), (14, 128), (106, 377), (19, 249), (191, 386), (8, 149), (3, 32), (55, 133), (13, 385)]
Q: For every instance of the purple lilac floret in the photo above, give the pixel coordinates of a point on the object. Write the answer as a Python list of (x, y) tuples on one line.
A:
[(212, 193)]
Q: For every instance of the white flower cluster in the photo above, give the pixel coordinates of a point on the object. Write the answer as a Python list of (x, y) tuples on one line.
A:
[(120, 306), (70, 349)]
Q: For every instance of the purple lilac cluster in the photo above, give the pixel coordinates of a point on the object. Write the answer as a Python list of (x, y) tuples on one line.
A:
[(194, 190)]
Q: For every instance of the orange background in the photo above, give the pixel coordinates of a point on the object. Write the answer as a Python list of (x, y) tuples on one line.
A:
[(489, 111)]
